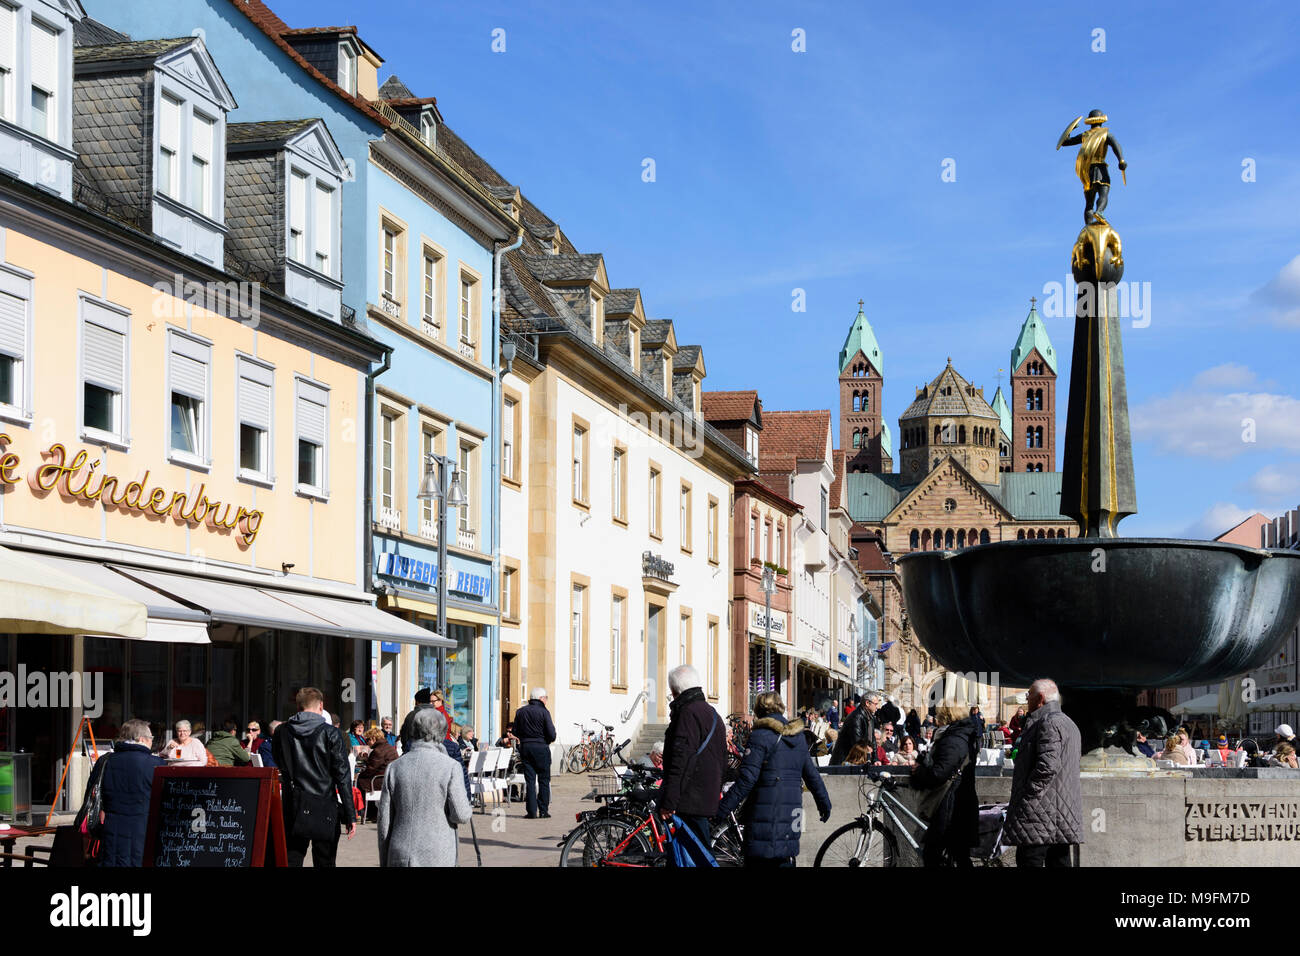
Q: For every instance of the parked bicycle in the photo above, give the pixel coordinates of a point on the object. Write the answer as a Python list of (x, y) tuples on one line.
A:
[(578, 758)]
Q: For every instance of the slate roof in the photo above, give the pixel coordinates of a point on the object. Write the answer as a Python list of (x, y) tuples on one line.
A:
[(265, 132), (686, 357), (656, 332), (948, 395), (395, 89), (89, 32), (621, 301), (871, 497), (567, 266), (129, 50), (1031, 495), (728, 406)]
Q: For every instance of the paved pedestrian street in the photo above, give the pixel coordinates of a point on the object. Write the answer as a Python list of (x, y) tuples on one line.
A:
[(505, 838)]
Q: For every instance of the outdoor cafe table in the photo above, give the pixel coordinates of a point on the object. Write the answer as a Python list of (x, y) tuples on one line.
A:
[(10, 837)]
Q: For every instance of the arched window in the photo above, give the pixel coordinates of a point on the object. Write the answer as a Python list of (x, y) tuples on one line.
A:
[(916, 539), (938, 539), (1060, 533), (984, 536), (857, 403), (1029, 400), (925, 540), (1020, 535), (1038, 399), (1042, 535), (1029, 437), (947, 538), (857, 439), (1038, 436), (961, 434), (1051, 534), (961, 538), (937, 433), (971, 537)]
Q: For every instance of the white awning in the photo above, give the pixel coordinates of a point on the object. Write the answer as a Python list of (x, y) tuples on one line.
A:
[(1206, 704), (169, 621), (281, 609), (1277, 703), (36, 598)]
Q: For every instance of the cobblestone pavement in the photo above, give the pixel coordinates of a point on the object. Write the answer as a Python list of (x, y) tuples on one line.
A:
[(505, 838)]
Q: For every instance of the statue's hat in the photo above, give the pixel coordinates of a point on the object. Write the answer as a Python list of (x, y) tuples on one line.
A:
[(1095, 118)]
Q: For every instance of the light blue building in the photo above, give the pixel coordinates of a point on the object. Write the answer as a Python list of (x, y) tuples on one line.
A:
[(420, 255)]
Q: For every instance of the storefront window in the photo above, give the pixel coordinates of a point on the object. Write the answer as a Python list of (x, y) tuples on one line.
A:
[(190, 687), (6, 713), (460, 673), (295, 672), (326, 677), (149, 686), (227, 674), (427, 673), (106, 656), (261, 679)]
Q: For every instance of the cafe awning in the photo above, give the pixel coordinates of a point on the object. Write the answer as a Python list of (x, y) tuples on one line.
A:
[(169, 621), (36, 598), (282, 609)]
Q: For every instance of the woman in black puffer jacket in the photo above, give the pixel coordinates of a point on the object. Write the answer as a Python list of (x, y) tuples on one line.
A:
[(775, 768), (954, 826)]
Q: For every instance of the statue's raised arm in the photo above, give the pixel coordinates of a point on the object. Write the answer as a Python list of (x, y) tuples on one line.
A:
[(1090, 163)]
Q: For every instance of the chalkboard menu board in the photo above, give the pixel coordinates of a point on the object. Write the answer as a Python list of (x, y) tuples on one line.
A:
[(215, 816)]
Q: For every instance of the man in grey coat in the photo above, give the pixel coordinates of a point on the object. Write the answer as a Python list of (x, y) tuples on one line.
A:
[(423, 800), (1045, 818)]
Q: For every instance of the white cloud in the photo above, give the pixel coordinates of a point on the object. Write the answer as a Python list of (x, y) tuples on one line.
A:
[(1273, 481), (1192, 422), (1218, 518), (1228, 375), (1279, 298)]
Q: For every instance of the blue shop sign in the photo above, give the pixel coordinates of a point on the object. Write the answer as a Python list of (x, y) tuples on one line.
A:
[(426, 572), (844, 658)]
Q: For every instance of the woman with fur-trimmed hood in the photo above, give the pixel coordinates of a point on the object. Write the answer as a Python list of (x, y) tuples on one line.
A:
[(775, 768)]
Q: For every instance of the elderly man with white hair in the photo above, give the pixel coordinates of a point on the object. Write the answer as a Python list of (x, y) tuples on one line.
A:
[(536, 732), (695, 754), (1045, 817), (858, 728)]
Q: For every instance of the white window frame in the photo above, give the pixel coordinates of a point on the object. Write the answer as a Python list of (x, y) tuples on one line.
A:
[(18, 283), (309, 392), (576, 595), (579, 455), (296, 203), (509, 415), (215, 190), (262, 374), (330, 194), (616, 640), (200, 351), (388, 420), (430, 263), (465, 458), (347, 71), (9, 64), (618, 464), (466, 308), (53, 96), (207, 164), (388, 260), (751, 444), (169, 154), (711, 659), (429, 435), (116, 318)]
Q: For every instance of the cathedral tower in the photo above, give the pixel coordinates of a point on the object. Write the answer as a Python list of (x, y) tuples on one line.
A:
[(1033, 397), (864, 438)]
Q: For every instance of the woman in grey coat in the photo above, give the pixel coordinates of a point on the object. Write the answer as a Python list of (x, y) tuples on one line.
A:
[(423, 800)]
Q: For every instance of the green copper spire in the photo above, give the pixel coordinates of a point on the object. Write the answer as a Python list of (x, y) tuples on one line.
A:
[(999, 405), (1033, 335), (862, 338), (886, 442)]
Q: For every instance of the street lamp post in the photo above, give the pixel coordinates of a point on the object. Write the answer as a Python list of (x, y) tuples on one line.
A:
[(441, 483), (769, 588), (853, 643)]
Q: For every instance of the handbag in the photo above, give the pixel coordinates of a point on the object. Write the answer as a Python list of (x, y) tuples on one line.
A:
[(932, 800), (315, 815), (686, 848), (92, 816)]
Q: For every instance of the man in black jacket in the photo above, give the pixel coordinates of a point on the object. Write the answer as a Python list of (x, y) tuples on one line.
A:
[(859, 728), (317, 789), (536, 732), (953, 826), (695, 754)]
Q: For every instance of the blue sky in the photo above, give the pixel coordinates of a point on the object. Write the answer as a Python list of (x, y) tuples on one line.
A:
[(778, 170)]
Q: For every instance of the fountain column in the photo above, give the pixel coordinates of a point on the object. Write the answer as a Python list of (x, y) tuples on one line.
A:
[(1097, 486)]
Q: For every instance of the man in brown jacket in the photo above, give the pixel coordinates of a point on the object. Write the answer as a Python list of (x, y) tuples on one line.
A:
[(1045, 818)]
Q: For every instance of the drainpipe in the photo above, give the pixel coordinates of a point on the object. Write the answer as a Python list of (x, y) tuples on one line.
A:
[(494, 642), (368, 573)]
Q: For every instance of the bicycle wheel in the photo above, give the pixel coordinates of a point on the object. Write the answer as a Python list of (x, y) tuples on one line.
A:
[(573, 761), (726, 846), (599, 754), (591, 842), (858, 844)]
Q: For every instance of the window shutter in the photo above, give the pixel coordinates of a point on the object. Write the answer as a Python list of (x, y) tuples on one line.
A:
[(45, 57), (169, 129), (202, 130), (255, 395), (8, 24), (312, 402), (13, 325), (103, 359), (324, 220), (190, 367)]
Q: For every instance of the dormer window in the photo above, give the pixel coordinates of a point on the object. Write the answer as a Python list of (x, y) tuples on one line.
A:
[(169, 147), (187, 146), (597, 315), (348, 68), (8, 59), (35, 100), (428, 129), (751, 444), (43, 120), (203, 132), (555, 245)]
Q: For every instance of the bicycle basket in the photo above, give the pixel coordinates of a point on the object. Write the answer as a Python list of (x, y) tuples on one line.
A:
[(605, 784)]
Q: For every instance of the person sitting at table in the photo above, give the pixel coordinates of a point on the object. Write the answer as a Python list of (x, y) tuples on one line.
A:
[(468, 742), (905, 755), (387, 726), (184, 749), (508, 739), (382, 753), (859, 755), (224, 746), (1284, 756), (356, 736), (1174, 752), (654, 760), (1185, 745)]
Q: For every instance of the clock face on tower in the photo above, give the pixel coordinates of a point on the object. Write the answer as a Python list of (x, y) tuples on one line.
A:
[(984, 464)]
